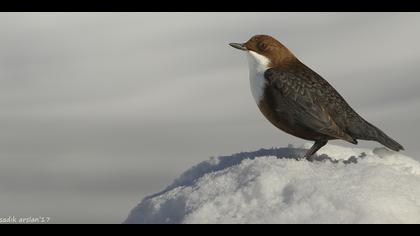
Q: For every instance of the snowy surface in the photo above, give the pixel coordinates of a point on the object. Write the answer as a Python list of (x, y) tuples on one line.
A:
[(341, 185)]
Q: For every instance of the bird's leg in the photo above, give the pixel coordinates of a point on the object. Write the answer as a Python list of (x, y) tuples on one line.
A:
[(317, 145)]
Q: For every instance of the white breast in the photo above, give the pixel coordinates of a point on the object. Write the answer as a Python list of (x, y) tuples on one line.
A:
[(257, 64)]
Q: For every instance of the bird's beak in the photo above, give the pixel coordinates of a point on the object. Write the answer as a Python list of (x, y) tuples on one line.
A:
[(239, 46)]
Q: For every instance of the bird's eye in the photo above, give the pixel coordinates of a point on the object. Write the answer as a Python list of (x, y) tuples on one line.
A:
[(262, 46)]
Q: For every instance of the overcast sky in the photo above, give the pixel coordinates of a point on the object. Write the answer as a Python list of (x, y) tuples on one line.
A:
[(100, 109)]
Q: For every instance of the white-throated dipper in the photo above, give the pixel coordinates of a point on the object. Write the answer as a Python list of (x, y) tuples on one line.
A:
[(300, 102)]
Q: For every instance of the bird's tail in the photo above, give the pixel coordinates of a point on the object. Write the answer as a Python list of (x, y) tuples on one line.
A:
[(373, 133)]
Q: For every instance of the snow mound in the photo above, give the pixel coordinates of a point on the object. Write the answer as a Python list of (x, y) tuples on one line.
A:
[(340, 185)]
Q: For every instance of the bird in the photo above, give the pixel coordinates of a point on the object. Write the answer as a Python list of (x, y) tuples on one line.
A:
[(297, 100)]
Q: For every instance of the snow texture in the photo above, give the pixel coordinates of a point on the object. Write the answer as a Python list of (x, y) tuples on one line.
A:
[(340, 185)]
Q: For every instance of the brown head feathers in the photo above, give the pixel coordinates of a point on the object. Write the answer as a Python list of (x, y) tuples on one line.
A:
[(269, 47)]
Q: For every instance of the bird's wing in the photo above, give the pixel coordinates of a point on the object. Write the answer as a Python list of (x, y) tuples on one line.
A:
[(301, 95)]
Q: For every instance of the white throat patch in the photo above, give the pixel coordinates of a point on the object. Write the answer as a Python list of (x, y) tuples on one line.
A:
[(257, 64)]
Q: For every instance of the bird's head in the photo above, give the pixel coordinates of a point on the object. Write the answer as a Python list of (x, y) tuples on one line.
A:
[(265, 50)]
